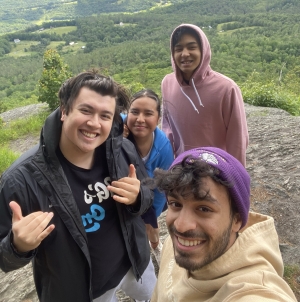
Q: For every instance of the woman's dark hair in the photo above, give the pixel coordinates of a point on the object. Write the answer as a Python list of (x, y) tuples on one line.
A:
[(101, 84), (150, 94), (184, 30)]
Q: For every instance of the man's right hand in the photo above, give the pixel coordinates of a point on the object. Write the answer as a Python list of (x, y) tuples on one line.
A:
[(29, 231)]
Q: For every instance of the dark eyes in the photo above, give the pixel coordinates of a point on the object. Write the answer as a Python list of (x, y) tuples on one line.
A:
[(85, 111), (178, 49), (177, 206), (174, 204), (137, 113), (189, 48), (106, 116), (204, 209)]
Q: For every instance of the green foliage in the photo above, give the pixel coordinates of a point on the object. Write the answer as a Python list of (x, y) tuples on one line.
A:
[(292, 79), (14, 130), (18, 128), (5, 46), (270, 94), (55, 72), (3, 108), (245, 35), (7, 157)]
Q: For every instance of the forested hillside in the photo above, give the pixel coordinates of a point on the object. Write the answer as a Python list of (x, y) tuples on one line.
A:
[(254, 42), (16, 14)]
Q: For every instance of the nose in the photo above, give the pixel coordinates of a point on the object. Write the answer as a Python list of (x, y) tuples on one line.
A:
[(185, 221), (185, 52), (93, 121), (140, 118)]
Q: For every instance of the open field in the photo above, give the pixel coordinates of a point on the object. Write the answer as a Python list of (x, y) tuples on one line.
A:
[(59, 30)]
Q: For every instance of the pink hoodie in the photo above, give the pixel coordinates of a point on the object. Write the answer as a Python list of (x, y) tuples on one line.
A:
[(207, 112)]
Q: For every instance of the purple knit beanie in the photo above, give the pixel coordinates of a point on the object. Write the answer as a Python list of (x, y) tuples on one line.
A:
[(230, 170)]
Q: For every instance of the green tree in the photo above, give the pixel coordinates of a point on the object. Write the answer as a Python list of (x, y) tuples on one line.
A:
[(55, 72)]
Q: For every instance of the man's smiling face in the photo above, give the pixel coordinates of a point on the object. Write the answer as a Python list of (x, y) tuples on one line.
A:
[(187, 55), (201, 230), (88, 123)]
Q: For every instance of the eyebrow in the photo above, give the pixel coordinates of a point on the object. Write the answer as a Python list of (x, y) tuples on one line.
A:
[(147, 110), (188, 44), (207, 198), (92, 108)]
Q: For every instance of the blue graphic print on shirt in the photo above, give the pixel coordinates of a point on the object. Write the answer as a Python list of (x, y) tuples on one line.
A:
[(97, 213)]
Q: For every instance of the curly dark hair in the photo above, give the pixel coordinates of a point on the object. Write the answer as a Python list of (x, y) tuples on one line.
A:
[(99, 83), (186, 178)]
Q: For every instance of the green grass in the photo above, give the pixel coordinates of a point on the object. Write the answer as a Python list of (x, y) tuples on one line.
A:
[(14, 130), (54, 44), (18, 49), (7, 157), (15, 101), (291, 273), (22, 45), (20, 127)]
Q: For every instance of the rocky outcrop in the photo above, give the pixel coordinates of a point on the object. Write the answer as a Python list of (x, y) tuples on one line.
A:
[(273, 161)]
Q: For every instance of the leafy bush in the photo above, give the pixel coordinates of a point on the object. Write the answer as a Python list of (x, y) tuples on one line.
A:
[(270, 95)]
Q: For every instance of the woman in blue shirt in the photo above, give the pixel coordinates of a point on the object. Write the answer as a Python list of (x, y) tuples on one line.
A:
[(155, 150)]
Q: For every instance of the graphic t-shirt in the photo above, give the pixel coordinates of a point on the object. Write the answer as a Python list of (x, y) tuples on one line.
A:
[(110, 261)]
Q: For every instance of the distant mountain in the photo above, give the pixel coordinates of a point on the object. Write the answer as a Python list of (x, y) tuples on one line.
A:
[(19, 14)]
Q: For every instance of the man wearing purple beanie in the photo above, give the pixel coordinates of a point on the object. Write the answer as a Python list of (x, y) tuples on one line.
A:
[(217, 250)]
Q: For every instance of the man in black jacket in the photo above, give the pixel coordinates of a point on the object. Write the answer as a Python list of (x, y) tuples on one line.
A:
[(72, 204)]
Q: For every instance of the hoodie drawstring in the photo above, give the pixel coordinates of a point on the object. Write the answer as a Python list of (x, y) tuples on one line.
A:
[(199, 99)]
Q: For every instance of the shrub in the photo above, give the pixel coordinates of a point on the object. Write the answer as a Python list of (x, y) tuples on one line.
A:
[(270, 95)]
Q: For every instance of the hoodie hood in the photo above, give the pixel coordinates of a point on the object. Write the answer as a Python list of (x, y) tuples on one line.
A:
[(204, 67), (200, 72)]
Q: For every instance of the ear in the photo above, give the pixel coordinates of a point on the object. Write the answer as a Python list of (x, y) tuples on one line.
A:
[(236, 223), (63, 114)]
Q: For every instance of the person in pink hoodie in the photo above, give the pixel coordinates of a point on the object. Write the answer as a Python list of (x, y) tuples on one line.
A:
[(201, 107)]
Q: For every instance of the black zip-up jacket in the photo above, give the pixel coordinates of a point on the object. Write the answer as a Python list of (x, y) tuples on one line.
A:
[(61, 263)]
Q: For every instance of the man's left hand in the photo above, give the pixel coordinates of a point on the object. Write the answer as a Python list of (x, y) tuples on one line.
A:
[(126, 189)]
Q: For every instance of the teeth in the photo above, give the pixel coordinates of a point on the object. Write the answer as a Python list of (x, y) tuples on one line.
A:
[(88, 134), (188, 242)]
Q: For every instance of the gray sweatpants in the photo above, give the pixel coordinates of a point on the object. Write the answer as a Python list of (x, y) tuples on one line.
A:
[(139, 290)]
